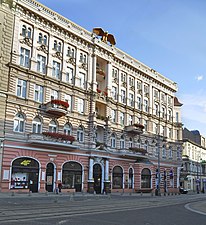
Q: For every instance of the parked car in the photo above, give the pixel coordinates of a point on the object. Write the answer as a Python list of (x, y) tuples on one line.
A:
[(183, 191)]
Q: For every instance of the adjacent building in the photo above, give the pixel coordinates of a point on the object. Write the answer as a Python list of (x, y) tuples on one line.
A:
[(77, 110), (193, 173)]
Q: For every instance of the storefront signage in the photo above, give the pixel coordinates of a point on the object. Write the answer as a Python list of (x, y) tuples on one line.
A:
[(26, 162)]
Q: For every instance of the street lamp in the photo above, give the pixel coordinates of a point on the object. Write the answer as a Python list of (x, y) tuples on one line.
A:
[(158, 193)]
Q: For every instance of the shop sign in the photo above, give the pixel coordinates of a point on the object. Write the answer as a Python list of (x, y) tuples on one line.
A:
[(26, 162)]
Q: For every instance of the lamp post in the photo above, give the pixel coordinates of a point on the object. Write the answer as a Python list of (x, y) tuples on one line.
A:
[(158, 193)]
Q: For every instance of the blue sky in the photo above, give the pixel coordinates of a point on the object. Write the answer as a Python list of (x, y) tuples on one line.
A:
[(168, 36)]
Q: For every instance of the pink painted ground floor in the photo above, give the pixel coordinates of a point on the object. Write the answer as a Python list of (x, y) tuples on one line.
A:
[(41, 168)]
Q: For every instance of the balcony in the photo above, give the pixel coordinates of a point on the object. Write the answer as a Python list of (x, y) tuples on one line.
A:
[(102, 95), (138, 150), (134, 129), (49, 138), (57, 107), (132, 153)]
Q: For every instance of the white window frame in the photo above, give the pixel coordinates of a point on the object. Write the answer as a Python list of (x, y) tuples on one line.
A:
[(36, 126), (19, 123), (80, 105), (38, 93), (41, 64), (56, 69), (25, 57), (21, 88)]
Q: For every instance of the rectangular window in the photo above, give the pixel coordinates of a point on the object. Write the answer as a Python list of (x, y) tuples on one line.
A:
[(68, 98), (123, 96), (113, 116), (81, 80), (139, 103), (21, 88), (130, 119), (56, 70), (41, 64), (114, 93), (80, 105), (146, 107), (24, 57), (122, 118), (38, 93), (131, 100), (69, 75), (54, 94)]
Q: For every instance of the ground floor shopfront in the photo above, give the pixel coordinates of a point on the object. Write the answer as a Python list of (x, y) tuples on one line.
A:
[(41, 169)]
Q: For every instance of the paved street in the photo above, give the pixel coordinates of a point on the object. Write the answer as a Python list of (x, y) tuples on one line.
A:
[(41, 209)]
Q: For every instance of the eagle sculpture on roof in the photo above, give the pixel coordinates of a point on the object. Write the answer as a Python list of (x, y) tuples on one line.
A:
[(106, 37)]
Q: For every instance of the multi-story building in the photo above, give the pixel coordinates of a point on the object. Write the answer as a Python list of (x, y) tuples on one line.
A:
[(193, 173), (77, 110)]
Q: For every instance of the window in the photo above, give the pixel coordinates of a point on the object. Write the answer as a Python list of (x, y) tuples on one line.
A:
[(146, 107), (130, 119), (54, 94), (131, 142), (69, 75), (68, 98), (123, 77), (24, 31), (177, 117), (40, 38), (45, 40), (146, 125), (131, 178), (81, 80), (178, 153), (41, 64), (57, 46), (139, 85), (68, 129), (146, 178), (122, 118), (163, 151), (163, 112), (170, 133), (156, 109), (170, 114), (113, 141), (29, 32), (81, 57), (122, 142), (139, 103), (24, 57), (113, 116), (80, 134), (123, 96), (38, 93), (70, 52), (56, 70), (131, 100), (53, 126), (21, 88), (80, 105), (36, 125), (114, 93), (114, 73), (170, 153), (131, 81), (19, 122), (117, 177)]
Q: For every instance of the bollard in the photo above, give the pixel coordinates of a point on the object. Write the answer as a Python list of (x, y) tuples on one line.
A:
[(12, 193)]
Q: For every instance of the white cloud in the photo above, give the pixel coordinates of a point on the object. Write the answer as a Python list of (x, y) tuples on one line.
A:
[(198, 78)]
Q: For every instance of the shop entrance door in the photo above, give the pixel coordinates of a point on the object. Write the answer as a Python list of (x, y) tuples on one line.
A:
[(50, 177), (33, 181), (97, 174)]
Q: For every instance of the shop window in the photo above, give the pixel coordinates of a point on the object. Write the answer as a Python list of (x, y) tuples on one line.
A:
[(146, 178), (72, 176), (25, 174), (117, 178)]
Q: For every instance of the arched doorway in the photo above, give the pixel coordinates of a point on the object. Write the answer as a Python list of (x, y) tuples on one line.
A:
[(97, 175), (117, 177), (50, 177), (72, 176), (25, 174), (146, 178)]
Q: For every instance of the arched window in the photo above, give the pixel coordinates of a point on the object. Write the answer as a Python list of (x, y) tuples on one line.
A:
[(117, 177), (19, 122), (138, 143), (131, 178), (68, 129), (40, 38), (45, 40), (146, 178), (55, 45), (36, 125), (113, 141), (146, 144), (85, 59), (81, 57), (72, 176), (130, 142), (53, 126), (80, 134), (29, 32), (122, 142), (23, 32)]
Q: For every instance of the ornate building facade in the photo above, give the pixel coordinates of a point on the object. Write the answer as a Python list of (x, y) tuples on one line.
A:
[(193, 172), (79, 111)]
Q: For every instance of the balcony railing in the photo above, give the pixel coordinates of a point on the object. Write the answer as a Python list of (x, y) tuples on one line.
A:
[(49, 138), (57, 107), (135, 128)]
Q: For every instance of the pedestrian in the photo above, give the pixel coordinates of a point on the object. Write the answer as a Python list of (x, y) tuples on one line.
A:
[(60, 187)]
